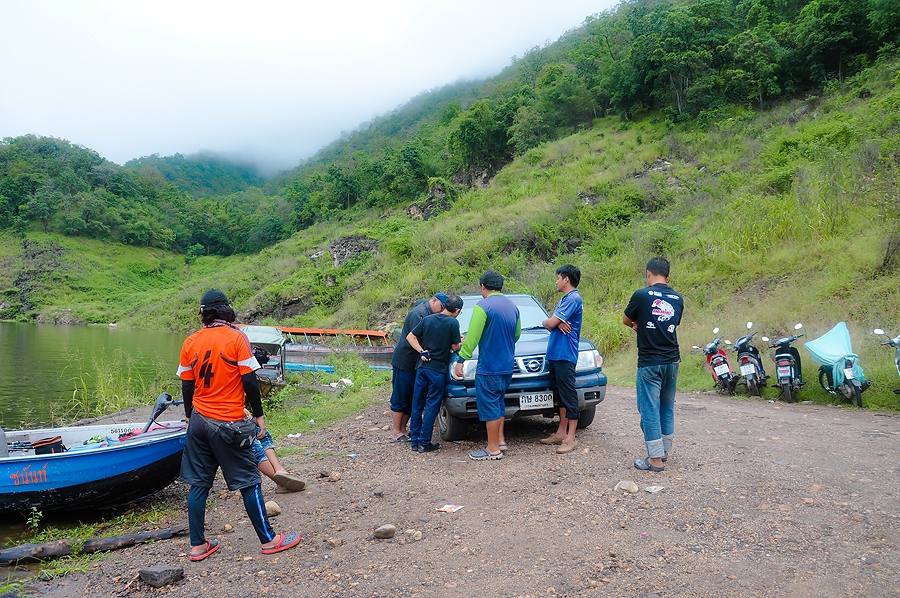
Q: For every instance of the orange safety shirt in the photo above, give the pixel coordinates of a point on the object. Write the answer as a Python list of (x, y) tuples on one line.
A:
[(216, 358)]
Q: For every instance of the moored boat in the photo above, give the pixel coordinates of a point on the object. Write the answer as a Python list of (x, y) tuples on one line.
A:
[(95, 468)]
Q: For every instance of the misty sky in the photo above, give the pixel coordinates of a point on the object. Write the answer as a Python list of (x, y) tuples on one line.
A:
[(269, 80)]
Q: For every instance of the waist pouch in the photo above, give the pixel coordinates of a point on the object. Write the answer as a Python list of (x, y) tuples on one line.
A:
[(240, 433)]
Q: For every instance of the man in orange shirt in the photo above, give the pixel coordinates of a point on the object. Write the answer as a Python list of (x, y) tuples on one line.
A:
[(217, 379)]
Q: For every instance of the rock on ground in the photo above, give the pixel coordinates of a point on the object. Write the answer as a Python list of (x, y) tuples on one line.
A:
[(161, 575)]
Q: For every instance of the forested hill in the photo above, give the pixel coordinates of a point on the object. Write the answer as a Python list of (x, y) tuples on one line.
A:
[(683, 61), (201, 174), (51, 185), (686, 60)]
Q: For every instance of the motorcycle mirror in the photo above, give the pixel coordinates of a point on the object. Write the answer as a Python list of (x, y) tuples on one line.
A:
[(765, 339), (878, 331), (749, 325), (727, 342), (716, 330), (798, 326)]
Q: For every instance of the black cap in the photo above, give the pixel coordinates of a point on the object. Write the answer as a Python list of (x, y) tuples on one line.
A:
[(492, 280), (213, 297), (454, 303)]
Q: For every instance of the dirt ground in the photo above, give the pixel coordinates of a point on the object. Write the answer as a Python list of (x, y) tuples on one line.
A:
[(759, 499)]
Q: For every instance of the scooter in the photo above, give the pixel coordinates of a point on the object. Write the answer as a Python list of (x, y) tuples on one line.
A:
[(788, 367), (717, 361), (753, 375), (839, 369), (892, 342)]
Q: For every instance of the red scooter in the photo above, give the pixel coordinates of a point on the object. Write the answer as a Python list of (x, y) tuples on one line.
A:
[(719, 368)]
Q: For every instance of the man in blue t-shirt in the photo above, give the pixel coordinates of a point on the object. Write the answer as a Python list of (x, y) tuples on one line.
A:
[(562, 355), (654, 313)]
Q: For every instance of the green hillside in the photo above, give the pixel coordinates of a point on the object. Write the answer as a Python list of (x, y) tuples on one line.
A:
[(784, 215), (201, 174)]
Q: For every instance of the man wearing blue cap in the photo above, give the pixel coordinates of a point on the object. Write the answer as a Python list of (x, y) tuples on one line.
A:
[(403, 363)]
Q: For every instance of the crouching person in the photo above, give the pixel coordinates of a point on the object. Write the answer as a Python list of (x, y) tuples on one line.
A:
[(434, 338), (267, 461), (217, 378)]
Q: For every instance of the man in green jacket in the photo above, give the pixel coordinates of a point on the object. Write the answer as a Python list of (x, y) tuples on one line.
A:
[(494, 329)]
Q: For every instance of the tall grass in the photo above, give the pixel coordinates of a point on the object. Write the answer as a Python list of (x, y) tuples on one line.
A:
[(116, 384)]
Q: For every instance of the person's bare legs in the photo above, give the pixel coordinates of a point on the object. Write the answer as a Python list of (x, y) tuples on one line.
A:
[(502, 438), (494, 433), (274, 470), (561, 430), (265, 467), (398, 423), (570, 428)]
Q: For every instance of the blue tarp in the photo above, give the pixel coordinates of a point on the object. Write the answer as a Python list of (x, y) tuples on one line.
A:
[(832, 349)]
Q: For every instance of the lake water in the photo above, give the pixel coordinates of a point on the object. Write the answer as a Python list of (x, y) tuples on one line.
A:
[(42, 365)]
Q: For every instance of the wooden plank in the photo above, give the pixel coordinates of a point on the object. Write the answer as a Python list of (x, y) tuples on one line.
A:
[(334, 332)]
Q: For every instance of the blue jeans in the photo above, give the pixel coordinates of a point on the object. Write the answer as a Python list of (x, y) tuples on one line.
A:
[(431, 387), (259, 447), (656, 404)]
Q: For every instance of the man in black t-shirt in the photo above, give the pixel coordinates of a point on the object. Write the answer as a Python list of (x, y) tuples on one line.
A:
[(435, 338), (654, 313), (403, 363)]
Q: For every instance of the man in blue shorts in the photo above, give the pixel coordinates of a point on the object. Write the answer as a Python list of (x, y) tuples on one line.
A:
[(494, 329), (403, 363), (435, 338), (562, 356)]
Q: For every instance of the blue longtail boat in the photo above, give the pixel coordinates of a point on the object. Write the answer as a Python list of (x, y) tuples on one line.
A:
[(82, 468)]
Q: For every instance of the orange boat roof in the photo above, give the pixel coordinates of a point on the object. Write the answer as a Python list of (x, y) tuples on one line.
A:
[(333, 332)]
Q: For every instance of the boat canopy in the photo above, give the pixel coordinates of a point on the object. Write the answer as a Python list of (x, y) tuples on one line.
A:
[(264, 335)]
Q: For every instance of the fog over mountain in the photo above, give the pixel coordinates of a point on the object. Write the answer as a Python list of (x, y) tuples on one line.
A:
[(268, 81)]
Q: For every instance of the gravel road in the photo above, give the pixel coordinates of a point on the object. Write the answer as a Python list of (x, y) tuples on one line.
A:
[(759, 499)]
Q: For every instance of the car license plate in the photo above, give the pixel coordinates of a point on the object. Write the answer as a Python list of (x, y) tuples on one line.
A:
[(537, 400), (748, 369), (848, 374), (721, 370), (784, 372)]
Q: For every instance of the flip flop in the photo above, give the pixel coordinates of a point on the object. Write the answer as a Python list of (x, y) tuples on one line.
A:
[(288, 541), (503, 448), (484, 455), (211, 546), (401, 438), (290, 481)]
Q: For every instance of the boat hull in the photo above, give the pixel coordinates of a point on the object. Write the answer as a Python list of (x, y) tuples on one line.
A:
[(90, 480)]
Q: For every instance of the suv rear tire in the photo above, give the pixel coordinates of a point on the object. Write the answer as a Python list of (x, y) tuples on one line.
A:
[(586, 416), (451, 428)]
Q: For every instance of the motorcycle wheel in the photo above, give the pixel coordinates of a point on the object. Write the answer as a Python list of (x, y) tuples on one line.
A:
[(787, 392), (753, 388), (855, 395), (823, 380)]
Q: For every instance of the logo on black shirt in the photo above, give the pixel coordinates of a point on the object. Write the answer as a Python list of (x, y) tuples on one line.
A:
[(662, 309)]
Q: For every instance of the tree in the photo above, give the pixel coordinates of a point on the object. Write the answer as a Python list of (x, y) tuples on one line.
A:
[(828, 32), (528, 130), (884, 20), (477, 138), (757, 59), (563, 96)]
